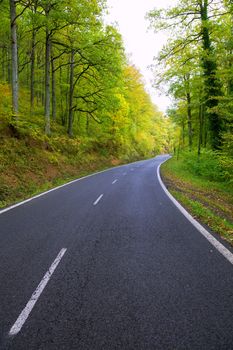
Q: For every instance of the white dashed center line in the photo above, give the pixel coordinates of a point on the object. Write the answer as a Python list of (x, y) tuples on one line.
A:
[(114, 182), (15, 329), (98, 199)]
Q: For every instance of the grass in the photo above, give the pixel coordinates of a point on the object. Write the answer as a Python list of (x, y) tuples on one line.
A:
[(209, 201), (31, 162)]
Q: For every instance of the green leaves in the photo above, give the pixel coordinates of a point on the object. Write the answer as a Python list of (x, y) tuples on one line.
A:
[(74, 67), (200, 45)]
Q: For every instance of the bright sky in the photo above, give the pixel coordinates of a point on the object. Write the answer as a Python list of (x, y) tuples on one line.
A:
[(141, 44)]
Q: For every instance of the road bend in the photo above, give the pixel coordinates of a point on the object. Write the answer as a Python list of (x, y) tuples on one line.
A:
[(109, 262)]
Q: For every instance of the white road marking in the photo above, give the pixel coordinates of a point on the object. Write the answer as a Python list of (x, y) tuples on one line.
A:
[(98, 199), (219, 246), (15, 329), (124, 174), (114, 182), (2, 211)]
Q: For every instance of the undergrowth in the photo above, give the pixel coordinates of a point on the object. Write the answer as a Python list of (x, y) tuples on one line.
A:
[(204, 186), (210, 165), (31, 162)]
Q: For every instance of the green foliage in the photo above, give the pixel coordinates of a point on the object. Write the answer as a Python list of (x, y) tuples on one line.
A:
[(207, 165), (226, 163), (210, 165), (94, 95), (195, 66), (201, 190), (104, 106)]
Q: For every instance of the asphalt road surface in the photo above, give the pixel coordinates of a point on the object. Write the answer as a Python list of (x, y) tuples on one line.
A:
[(109, 262)]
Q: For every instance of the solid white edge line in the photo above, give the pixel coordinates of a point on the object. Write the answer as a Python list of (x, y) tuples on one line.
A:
[(98, 199), (219, 246), (58, 187), (114, 182), (15, 329)]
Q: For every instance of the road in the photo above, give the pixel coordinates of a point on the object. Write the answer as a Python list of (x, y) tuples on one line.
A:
[(109, 262)]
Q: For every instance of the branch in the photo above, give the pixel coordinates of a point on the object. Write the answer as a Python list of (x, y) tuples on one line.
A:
[(91, 113), (20, 14)]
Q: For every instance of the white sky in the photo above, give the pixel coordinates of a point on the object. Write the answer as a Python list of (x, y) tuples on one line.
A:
[(142, 44)]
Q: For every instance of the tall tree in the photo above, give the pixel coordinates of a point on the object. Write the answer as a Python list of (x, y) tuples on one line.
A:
[(212, 83), (191, 21), (14, 56)]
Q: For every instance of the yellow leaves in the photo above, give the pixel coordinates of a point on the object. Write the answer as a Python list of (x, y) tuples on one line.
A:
[(123, 105), (5, 90), (5, 101)]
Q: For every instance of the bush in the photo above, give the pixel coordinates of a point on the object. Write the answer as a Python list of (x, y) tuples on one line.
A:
[(227, 166), (208, 165)]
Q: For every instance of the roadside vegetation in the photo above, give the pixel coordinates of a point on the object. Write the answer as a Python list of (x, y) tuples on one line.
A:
[(195, 68), (200, 185), (32, 162)]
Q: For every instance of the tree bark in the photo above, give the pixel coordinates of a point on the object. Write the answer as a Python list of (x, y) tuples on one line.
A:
[(212, 83), (47, 76), (230, 53), (189, 109), (189, 113), (8, 53), (54, 111), (71, 92), (63, 118), (183, 133), (32, 82), (14, 57), (200, 138)]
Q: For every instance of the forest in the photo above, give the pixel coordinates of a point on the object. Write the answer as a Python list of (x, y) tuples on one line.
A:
[(195, 67), (64, 64), (70, 98)]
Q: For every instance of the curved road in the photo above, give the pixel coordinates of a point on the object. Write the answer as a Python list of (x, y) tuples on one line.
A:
[(109, 262)]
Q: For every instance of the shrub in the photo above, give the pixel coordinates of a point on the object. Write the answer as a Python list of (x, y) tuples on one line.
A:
[(208, 165)]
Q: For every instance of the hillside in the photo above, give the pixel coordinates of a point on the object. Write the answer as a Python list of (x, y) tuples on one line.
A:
[(31, 162)]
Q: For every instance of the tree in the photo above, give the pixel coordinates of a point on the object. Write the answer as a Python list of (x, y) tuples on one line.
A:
[(14, 56), (191, 23), (72, 66)]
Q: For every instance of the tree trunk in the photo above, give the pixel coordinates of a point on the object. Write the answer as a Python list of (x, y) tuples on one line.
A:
[(67, 94), (32, 82), (54, 111), (212, 83), (189, 113), (189, 110), (47, 80), (200, 141), (230, 53), (8, 55), (63, 118), (71, 92), (183, 133), (14, 57)]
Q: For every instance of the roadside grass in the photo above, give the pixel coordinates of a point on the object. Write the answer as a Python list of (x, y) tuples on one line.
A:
[(210, 202)]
